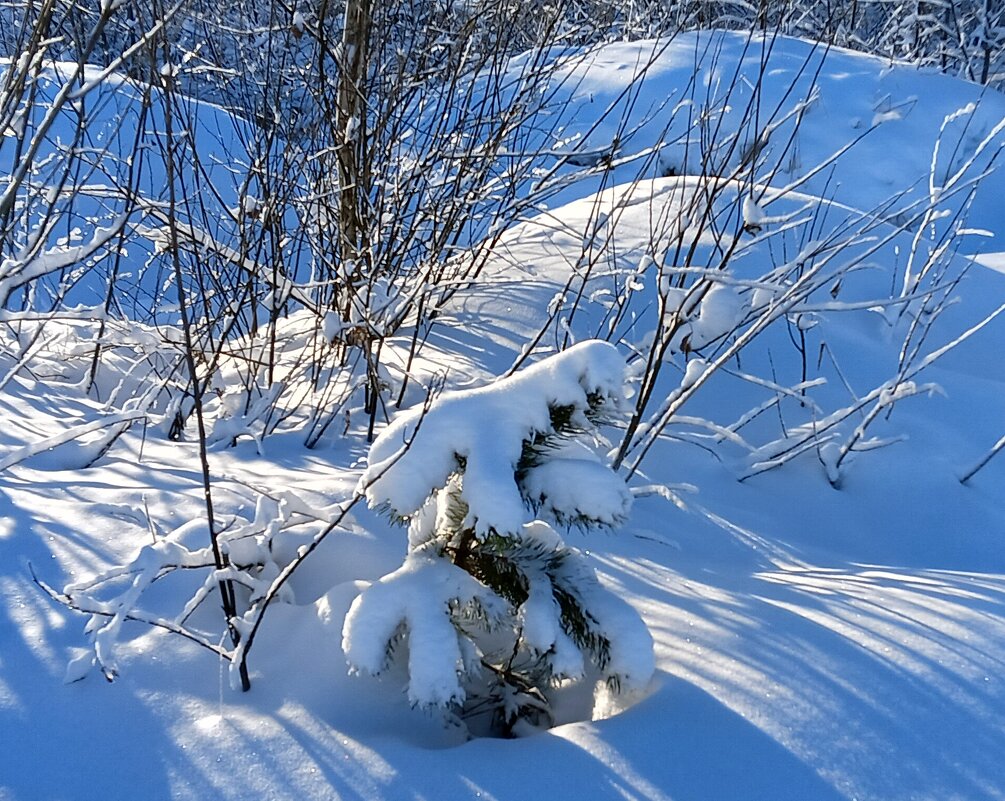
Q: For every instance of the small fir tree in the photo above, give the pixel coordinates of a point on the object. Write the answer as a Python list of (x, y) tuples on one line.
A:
[(495, 608)]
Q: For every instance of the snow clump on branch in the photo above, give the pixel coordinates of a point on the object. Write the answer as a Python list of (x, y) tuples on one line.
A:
[(496, 609)]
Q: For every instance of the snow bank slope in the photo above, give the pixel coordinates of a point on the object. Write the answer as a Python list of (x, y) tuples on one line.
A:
[(708, 101)]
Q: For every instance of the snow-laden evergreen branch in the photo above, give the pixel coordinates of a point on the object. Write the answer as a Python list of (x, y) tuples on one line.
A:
[(494, 606)]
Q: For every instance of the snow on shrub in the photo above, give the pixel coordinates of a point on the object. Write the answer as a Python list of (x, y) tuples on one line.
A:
[(495, 608)]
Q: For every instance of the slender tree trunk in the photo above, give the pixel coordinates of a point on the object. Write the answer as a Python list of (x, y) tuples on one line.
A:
[(227, 596), (351, 132)]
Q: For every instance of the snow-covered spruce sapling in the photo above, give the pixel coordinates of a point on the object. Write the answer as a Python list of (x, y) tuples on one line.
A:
[(494, 607)]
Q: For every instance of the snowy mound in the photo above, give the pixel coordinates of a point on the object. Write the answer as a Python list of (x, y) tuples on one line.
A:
[(856, 130)]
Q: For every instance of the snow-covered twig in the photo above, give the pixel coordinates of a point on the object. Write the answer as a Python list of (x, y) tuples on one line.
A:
[(979, 465), (27, 451)]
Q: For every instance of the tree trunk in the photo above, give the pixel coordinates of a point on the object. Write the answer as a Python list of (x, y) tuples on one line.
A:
[(350, 121)]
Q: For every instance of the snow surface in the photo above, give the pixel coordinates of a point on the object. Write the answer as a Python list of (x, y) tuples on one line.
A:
[(811, 643)]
